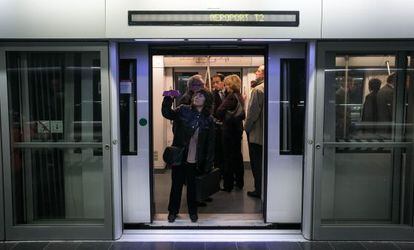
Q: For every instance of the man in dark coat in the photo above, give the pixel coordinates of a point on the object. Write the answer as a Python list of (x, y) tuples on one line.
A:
[(218, 95), (385, 106), (342, 110), (369, 110)]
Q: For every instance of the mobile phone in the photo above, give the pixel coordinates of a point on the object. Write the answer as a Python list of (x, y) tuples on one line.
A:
[(171, 93)]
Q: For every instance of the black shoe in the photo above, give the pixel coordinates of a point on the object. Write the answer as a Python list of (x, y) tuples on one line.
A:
[(240, 186), (193, 217), (201, 204), (209, 199), (172, 217), (253, 194), (226, 189)]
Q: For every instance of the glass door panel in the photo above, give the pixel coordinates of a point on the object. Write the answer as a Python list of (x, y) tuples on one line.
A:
[(57, 167), (364, 159), (359, 108)]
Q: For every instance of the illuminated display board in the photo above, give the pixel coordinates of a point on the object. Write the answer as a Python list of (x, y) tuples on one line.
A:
[(214, 18)]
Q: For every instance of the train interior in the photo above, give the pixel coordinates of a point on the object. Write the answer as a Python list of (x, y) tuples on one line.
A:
[(172, 72)]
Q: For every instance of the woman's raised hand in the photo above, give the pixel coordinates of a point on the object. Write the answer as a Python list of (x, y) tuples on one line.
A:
[(171, 93)]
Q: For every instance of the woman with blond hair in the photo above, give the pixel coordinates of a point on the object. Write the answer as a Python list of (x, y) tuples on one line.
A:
[(231, 113)]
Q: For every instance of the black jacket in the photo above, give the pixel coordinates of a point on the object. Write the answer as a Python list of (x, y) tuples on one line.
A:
[(186, 120), (232, 126), (385, 103), (217, 100), (369, 110)]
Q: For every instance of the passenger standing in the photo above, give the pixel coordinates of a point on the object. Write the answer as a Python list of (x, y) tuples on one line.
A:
[(369, 110), (385, 103), (254, 130), (219, 94), (343, 111), (231, 112), (194, 84), (194, 134)]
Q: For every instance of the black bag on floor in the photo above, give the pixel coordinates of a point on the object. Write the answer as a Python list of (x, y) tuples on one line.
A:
[(207, 184)]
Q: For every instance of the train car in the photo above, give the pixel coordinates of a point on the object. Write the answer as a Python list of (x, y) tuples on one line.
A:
[(83, 134)]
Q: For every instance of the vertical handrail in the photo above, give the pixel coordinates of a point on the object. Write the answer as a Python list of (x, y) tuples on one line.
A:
[(346, 94)]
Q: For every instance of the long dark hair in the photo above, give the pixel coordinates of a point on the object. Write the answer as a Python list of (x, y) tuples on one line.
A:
[(208, 103)]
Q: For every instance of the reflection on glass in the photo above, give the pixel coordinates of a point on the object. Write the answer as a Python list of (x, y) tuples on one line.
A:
[(368, 152), (57, 186), (364, 97), (292, 105), (55, 97), (409, 99)]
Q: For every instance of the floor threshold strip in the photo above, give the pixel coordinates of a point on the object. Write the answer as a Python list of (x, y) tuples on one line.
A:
[(187, 235)]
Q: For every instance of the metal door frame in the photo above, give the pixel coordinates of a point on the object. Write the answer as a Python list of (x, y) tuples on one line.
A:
[(284, 172), (2, 226), (308, 158), (264, 51), (348, 232), (58, 231), (137, 169)]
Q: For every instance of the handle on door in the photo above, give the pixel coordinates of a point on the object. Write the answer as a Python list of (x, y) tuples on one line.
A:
[(107, 146), (318, 146)]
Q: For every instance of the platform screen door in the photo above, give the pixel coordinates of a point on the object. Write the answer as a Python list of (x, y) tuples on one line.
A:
[(56, 142), (364, 153)]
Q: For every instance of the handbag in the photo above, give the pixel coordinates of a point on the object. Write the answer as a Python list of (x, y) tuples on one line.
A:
[(173, 155), (236, 114)]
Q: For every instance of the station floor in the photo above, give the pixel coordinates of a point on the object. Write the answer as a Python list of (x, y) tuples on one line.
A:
[(225, 209), (230, 205), (279, 245)]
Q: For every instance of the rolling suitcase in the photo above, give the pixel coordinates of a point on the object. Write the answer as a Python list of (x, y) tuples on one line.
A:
[(207, 184)]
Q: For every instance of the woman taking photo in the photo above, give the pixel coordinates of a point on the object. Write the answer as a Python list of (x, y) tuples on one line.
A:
[(194, 136), (231, 113)]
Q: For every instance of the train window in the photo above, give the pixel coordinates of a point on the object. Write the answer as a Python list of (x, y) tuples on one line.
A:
[(409, 98), (128, 106), (227, 73), (362, 108), (292, 106), (180, 80)]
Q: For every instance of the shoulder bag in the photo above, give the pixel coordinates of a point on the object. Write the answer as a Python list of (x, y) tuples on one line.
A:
[(173, 155), (236, 114)]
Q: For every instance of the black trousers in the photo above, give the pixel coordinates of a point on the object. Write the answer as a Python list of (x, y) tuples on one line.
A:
[(255, 152), (180, 175), (233, 160), (218, 150)]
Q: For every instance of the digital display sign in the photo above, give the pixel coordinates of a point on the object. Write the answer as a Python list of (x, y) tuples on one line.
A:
[(214, 18)]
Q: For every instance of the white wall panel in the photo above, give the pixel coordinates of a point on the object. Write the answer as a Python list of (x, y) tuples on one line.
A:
[(284, 172), (52, 19), (34, 19), (368, 19), (117, 19), (135, 168)]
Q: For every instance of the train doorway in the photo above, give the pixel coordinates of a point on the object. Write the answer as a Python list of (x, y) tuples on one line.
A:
[(142, 143), (231, 207)]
